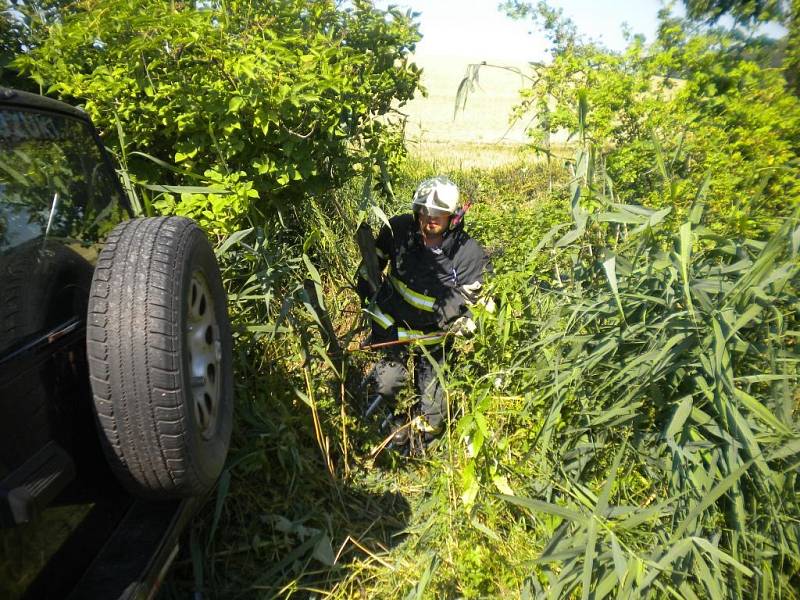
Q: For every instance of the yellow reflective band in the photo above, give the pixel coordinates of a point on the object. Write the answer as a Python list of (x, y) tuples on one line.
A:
[(415, 299), (425, 339), (380, 317)]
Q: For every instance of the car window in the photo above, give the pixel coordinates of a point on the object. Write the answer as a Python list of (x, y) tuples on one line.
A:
[(54, 182)]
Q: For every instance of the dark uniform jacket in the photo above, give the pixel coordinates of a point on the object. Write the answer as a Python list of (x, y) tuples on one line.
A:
[(425, 289)]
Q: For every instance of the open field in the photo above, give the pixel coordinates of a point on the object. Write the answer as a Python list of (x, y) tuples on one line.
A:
[(482, 134), (485, 119), (457, 155)]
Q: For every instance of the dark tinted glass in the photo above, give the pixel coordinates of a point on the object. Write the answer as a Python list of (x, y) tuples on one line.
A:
[(58, 200), (53, 180)]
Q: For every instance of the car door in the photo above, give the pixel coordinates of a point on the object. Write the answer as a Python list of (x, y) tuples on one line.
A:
[(59, 196)]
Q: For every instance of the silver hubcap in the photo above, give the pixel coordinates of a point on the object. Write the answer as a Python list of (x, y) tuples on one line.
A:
[(205, 355)]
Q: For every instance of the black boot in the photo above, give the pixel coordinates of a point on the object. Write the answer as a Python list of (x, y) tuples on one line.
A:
[(401, 432)]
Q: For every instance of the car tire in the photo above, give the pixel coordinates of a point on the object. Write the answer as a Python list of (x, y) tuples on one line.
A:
[(160, 358)]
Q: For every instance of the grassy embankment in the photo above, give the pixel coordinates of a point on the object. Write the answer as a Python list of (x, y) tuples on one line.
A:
[(631, 431)]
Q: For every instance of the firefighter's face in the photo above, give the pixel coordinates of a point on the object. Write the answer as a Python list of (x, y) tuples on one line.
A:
[(433, 223)]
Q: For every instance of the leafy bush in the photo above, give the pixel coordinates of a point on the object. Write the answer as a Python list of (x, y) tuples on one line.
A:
[(730, 127), (271, 101), (634, 429), (722, 114), (630, 426)]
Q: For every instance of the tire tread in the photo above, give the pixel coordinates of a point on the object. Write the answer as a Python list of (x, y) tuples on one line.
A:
[(134, 347)]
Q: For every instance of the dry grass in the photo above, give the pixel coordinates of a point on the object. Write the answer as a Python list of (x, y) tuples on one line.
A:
[(458, 156), (481, 135), (485, 119)]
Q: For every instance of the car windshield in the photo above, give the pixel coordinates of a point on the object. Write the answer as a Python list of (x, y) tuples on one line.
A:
[(54, 182)]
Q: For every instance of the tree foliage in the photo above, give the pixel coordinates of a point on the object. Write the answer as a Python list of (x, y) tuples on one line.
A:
[(743, 11), (268, 100), (11, 35), (22, 24), (792, 58), (754, 12), (701, 102)]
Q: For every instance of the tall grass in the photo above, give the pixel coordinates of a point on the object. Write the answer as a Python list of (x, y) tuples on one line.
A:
[(662, 386), (624, 425)]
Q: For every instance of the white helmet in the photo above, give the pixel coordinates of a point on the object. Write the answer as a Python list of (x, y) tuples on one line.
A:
[(436, 195)]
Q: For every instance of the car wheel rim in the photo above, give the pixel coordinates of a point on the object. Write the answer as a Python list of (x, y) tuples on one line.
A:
[(205, 355)]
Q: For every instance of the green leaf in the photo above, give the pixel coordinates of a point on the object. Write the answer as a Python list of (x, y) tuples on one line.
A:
[(485, 530), (418, 591), (685, 257), (620, 217), (662, 166), (501, 483), (323, 551), (761, 411), (795, 241), (269, 574), (679, 417), (268, 329), (380, 214), (235, 103), (619, 558), (312, 270), (537, 506), (469, 484), (610, 267), (674, 552), (705, 545), (311, 239), (166, 165), (232, 239), (709, 581), (710, 498), (186, 189), (790, 448), (605, 586), (588, 558), (568, 238)]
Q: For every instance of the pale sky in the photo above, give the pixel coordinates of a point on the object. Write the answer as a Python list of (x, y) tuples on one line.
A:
[(476, 29)]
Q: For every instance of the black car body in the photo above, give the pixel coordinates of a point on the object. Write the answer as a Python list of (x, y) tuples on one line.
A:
[(69, 528)]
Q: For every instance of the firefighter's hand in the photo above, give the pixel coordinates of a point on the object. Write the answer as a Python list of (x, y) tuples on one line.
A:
[(463, 326)]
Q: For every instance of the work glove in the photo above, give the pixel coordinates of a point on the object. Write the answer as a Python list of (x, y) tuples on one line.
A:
[(463, 326)]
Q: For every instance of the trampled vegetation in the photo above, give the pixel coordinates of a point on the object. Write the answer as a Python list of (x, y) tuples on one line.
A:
[(624, 425)]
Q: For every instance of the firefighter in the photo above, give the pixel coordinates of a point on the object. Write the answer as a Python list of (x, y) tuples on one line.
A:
[(435, 272)]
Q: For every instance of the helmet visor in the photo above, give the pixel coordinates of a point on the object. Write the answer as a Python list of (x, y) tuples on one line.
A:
[(431, 212)]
